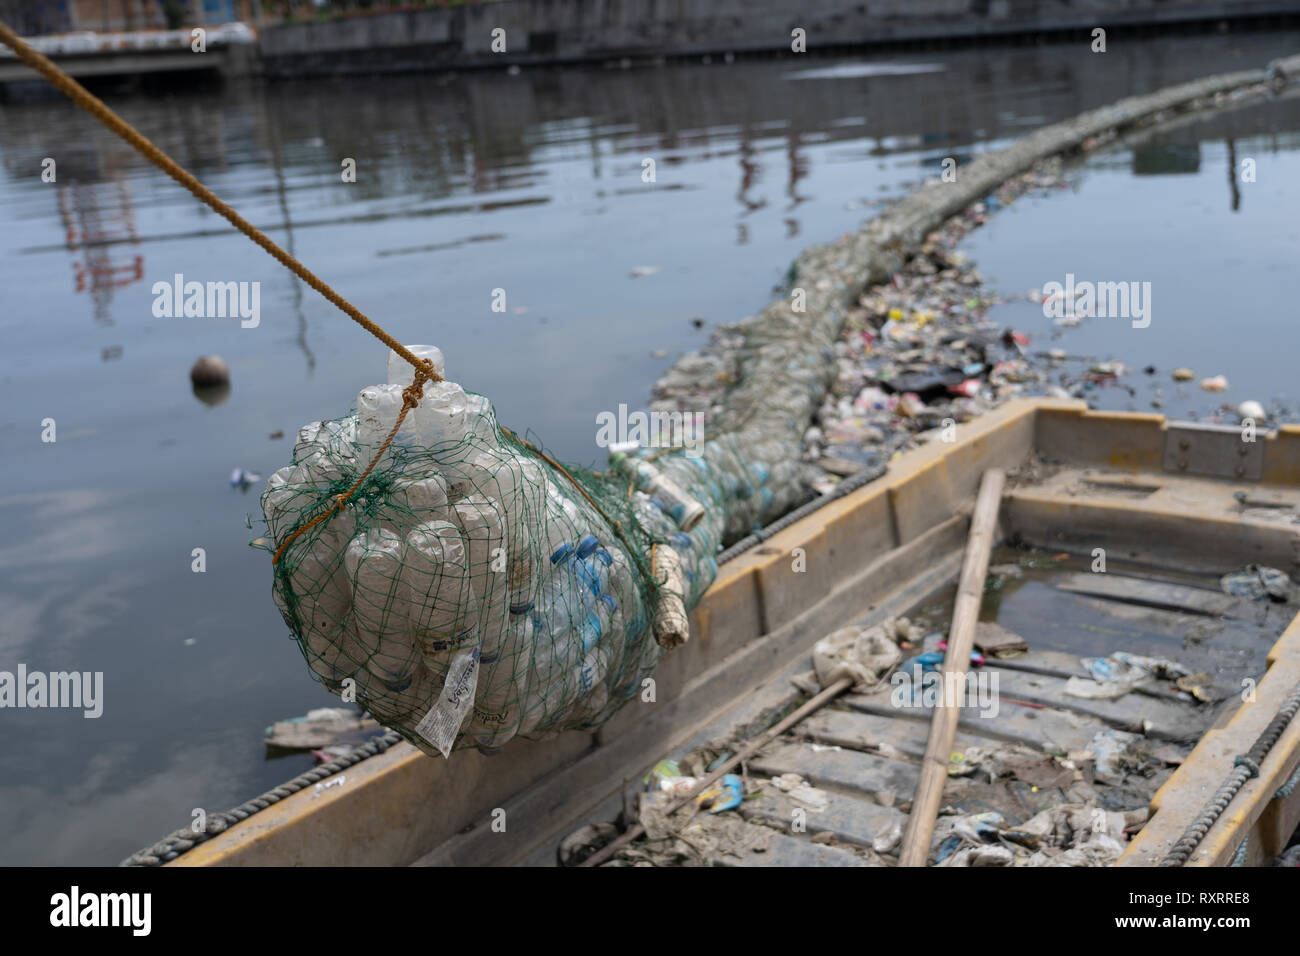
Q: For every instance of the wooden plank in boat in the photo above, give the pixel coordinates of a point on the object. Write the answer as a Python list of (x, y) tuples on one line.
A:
[(1230, 648), (851, 819), (783, 850), (1060, 664), (1050, 729), (1169, 720), (1155, 594), (846, 770), (865, 732)]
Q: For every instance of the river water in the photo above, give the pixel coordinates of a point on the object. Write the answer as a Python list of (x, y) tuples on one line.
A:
[(532, 184)]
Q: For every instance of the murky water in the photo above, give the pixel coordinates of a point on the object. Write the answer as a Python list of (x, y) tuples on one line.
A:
[(532, 184), (1033, 601), (1201, 225)]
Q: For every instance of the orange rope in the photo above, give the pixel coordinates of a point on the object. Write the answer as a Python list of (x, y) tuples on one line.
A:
[(93, 105)]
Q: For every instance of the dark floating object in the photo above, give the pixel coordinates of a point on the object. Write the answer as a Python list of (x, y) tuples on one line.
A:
[(210, 377), (212, 394), (210, 370)]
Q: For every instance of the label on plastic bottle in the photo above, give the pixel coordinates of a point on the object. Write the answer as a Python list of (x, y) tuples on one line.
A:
[(441, 724)]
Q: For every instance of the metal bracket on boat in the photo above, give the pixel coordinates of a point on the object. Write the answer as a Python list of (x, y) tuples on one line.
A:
[(1214, 451)]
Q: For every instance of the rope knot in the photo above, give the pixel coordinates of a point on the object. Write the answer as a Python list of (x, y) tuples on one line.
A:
[(412, 394)]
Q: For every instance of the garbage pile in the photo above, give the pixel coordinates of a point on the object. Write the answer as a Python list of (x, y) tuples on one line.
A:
[(915, 351), (1072, 834), (918, 353)]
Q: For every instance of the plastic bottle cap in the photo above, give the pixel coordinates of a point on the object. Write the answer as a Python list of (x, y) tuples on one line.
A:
[(610, 601), (587, 545), (562, 552)]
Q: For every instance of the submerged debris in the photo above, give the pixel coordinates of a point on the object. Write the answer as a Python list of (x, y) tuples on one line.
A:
[(1257, 581), (1066, 835), (322, 730)]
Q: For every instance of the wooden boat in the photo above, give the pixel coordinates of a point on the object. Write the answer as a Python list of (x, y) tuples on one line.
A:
[(1165, 508)]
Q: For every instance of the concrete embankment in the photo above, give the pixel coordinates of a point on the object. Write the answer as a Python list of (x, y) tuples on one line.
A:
[(559, 31)]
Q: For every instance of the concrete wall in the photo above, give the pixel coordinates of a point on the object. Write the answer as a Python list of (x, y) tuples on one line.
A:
[(539, 31)]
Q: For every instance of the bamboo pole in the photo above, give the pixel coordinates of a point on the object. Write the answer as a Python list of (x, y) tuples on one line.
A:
[(961, 638)]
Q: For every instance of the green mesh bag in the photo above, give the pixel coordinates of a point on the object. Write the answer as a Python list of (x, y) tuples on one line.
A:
[(470, 589)]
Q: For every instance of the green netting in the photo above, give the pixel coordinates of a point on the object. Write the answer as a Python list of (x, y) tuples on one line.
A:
[(468, 592)]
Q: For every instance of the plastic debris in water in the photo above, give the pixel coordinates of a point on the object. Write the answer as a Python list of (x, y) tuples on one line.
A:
[(1251, 409), (1111, 750), (979, 827), (1120, 673), (241, 479), (726, 796), (1256, 581)]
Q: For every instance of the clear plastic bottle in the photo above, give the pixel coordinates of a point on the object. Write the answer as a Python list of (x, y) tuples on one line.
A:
[(441, 606), (593, 694), (440, 421), (684, 510), (413, 501), (374, 563), (401, 372), (480, 522), (498, 705), (377, 409), (553, 686)]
